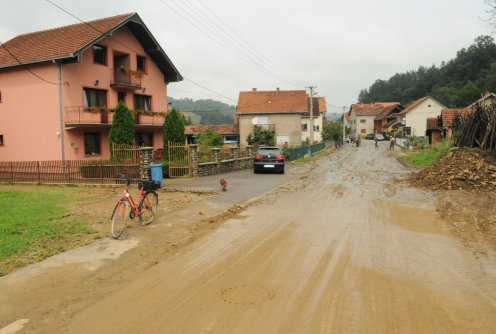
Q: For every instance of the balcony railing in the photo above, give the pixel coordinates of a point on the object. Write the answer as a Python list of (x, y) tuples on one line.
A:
[(101, 115), (126, 78)]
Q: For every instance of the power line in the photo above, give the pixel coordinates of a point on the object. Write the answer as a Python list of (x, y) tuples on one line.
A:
[(222, 41)]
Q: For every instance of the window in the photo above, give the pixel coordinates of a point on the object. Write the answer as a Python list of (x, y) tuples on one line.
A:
[(141, 64), (99, 54), (144, 139), (362, 131), (304, 127), (363, 121), (92, 144), (121, 97), (142, 102), (1, 140), (94, 98), (316, 128)]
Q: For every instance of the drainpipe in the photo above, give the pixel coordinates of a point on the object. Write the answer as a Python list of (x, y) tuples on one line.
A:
[(61, 114)]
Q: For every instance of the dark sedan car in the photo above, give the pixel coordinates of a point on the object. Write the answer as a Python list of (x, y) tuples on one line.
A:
[(268, 158)]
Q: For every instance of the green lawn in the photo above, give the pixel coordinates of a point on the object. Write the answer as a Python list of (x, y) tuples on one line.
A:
[(34, 225), (428, 156)]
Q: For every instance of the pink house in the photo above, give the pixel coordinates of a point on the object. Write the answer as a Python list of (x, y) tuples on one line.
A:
[(57, 88)]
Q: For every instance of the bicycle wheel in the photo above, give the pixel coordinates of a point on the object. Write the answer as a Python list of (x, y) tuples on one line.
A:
[(119, 218), (148, 208)]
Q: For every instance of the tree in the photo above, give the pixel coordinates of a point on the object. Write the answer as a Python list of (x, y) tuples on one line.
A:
[(173, 130), (210, 138), (122, 130), (333, 131), (260, 136)]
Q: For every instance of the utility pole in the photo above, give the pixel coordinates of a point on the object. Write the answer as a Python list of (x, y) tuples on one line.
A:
[(311, 112), (344, 132)]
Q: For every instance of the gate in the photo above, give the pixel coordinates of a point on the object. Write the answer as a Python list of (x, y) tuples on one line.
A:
[(179, 160)]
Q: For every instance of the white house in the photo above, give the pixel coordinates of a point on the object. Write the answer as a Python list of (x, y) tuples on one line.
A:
[(413, 119), (363, 115)]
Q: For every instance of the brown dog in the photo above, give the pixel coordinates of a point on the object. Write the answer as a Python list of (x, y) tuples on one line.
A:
[(223, 184)]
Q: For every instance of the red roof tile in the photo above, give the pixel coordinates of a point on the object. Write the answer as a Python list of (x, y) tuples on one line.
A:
[(278, 101), (56, 43), (374, 109), (223, 129), (70, 41), (449, 114), (432, 123), (413, 105), (319, 106)]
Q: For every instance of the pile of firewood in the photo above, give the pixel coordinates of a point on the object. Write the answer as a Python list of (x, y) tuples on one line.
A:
[(462, 168), (477, 129)]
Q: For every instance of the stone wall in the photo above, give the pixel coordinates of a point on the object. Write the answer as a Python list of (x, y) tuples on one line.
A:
[(236, 161)]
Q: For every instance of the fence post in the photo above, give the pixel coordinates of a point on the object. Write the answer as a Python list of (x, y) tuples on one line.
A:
[(12, 171), (39, 172), (194, 160), (249, 148), (217, 159), (101, 171), (235, 156), (146, 154)]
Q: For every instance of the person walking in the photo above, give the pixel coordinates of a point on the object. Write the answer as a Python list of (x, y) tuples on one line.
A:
[(376, 146), (391, 143)]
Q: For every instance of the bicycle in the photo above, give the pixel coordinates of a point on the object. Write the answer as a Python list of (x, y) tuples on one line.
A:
[(126, 207)]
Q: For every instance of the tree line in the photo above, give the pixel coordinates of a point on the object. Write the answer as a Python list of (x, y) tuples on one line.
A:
[(204, 112), (456, 83)]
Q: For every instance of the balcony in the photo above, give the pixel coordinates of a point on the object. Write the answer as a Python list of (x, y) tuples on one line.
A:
[(127, 79), (100, 116)]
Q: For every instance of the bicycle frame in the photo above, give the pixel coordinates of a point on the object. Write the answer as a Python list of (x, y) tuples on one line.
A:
[(129, 198)]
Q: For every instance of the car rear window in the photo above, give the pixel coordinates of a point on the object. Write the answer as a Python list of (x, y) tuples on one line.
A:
[(269, 151)]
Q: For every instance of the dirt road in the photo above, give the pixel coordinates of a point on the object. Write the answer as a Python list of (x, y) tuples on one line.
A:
[(341, 249)]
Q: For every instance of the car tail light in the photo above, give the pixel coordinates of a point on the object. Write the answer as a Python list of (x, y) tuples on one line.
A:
[(258, 157), (280, 157)]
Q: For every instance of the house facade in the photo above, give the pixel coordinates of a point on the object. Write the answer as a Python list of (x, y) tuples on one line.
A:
[(413, 118), (282, 111), (58, 91), (363, 116), (319, 109)]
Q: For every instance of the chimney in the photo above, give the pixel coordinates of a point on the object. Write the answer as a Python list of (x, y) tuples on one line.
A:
[(253, 89)]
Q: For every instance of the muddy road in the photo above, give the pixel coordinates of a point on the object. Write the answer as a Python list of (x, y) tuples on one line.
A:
[(343, 248)]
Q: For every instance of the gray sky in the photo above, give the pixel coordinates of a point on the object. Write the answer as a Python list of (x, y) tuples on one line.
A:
[(339, 46)]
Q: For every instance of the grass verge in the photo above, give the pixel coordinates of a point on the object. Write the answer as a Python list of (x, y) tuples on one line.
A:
[(35, 225), (428, 156)]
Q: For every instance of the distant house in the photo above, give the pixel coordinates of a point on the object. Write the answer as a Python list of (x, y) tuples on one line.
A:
[(285, 112), (57, 92), (319, 110), (442, 126), (413, 118), (229, 132), (486, 100), (370, 118)]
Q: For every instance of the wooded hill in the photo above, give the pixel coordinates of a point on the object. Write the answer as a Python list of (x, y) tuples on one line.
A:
[(456, 83), (205, 112)]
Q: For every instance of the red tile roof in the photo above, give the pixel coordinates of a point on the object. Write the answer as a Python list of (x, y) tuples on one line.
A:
[(413, 105), (223, 129), (374, 109), (278, 101), (56, 43), (70, 41), (449, 114), (319, 106)]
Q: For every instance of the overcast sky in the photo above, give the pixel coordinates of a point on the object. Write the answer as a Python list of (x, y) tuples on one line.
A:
[(231, 46)]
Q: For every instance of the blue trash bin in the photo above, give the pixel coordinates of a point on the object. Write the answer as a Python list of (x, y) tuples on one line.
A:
[(156, 172)]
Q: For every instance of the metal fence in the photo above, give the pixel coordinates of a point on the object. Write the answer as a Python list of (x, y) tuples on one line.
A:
[(69, 171), (295, 153)]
